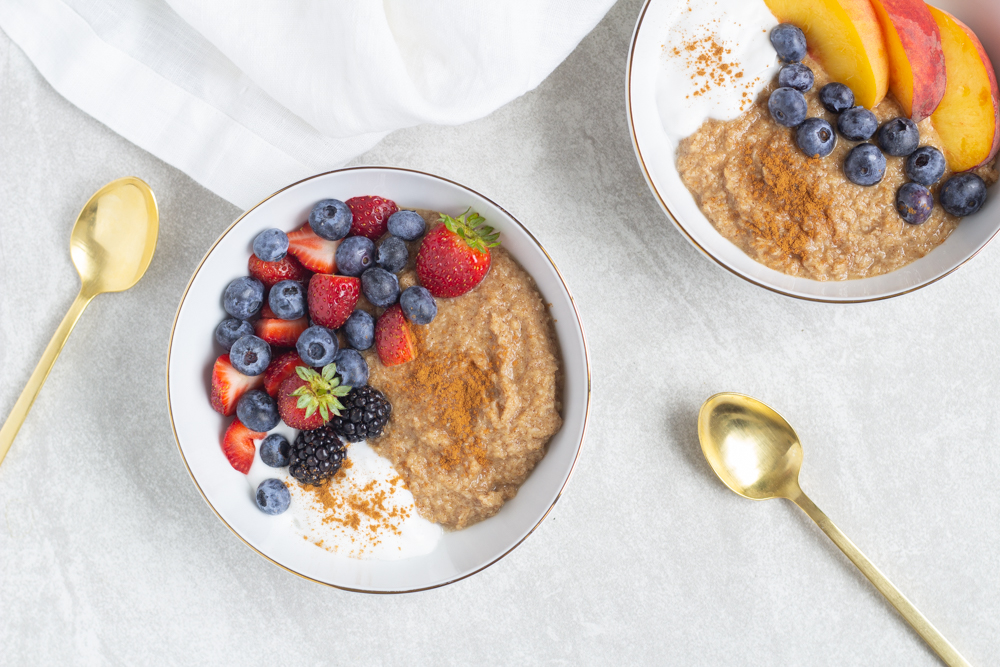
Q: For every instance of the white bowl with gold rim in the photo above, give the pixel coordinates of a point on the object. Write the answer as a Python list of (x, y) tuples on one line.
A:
[(656, 154), (199, 429)]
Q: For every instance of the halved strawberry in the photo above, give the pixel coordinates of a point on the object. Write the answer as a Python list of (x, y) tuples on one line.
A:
[(282, 333), (307, 399), (371, 215), (228, 384), (455, 256), (281, 368), (238, 446), (332, 299), (393, 338), (266, 313), (315, 253), (272, 273)]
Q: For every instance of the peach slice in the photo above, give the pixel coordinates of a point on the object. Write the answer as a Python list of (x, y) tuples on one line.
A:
[(846, 38), (968, 118), (916, 62)]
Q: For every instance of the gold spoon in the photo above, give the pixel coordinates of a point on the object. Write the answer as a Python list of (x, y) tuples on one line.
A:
[(111, 246), (757, 454)]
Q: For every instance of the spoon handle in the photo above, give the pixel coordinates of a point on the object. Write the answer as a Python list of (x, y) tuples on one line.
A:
[(37, 379), (928, 632)]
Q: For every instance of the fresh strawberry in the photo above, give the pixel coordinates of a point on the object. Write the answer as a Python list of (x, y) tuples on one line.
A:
[(332, 299), (315, 253), (272, 273), (393, 338), (455, 256), (238, 446), (282, 333), (228, 384), (371, 215), (308, 399), (283, 366), (266, 313)]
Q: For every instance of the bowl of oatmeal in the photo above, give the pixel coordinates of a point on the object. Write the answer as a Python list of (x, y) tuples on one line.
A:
[(487, 419), (736, 185)]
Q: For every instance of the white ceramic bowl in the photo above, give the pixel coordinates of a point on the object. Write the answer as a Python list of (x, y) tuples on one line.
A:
[(656, 155), (198, 428)]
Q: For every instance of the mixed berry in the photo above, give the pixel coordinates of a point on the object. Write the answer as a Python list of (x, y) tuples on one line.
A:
[(961, 195), (294, 335)]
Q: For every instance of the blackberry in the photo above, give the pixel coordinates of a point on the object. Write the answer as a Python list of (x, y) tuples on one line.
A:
[(316, 456), (366, 412)]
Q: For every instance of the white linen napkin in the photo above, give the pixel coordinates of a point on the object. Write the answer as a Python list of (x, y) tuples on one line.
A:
[(247, 96)]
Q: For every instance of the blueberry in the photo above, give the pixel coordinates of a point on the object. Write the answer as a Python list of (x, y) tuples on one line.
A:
[(231, 330), (270, 245), (797, 76), (273, 496), (275, 451), (355, 255), (963, 194), (857, 124), (258, 411), (288, 300), (317, 346), (359, 329), (352, 368), (250, 355), (331, 219), (407, 225), (380, 287), (816, 137), (914, 203), (787, 106), (925, 165), (392, 254), (243, 297), (898, 137), (864, 165), (836, 97), (789, 42), (418, 305)]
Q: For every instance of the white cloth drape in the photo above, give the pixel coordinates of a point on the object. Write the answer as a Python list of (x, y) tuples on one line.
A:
[(246, 96)]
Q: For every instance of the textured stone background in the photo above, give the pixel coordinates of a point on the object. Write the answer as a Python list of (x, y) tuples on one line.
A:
[(109, 555)]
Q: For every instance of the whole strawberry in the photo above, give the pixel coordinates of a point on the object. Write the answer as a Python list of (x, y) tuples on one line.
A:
[(371, 215), (308, 399), (454, 257)]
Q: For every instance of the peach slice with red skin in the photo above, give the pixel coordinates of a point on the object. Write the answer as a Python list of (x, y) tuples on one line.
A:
[(845, 36), (916, 61), (968, 117)]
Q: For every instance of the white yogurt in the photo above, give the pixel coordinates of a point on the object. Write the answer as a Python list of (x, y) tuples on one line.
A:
[(715, 60), (392, 532)]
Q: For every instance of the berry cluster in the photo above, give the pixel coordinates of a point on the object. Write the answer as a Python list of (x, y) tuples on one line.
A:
[(865, 164), (285, 361)]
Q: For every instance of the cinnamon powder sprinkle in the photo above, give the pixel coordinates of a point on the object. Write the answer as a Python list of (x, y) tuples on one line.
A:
[(365, 512), (710, 63)]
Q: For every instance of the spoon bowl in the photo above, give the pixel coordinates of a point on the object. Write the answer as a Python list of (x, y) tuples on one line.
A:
[(114, 236), (757, 454), (111, 246), (752, 449)]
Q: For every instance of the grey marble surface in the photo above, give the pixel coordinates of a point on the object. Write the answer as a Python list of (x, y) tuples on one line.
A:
[(108, 555)]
